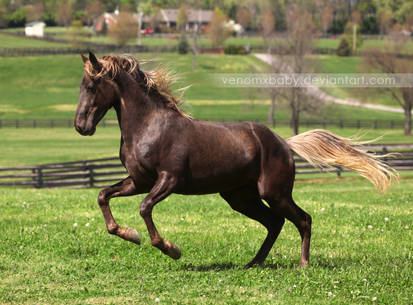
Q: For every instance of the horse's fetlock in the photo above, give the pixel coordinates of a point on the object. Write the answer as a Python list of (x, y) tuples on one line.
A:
[(157, 242), (113, 228)]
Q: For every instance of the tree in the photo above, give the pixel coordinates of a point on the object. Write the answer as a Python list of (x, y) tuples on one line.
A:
[(385, 19), (35, 12), (243, 17), (76, 34), (182, 18), (124, 29), (389, 62), (216, 31), (268, 27), (326, 18), (64, 13), (267, 24), (355, 17), (93, 10), (301, 31)]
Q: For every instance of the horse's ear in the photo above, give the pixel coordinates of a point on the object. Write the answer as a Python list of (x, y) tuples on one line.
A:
[(84, 58), (95, 63)]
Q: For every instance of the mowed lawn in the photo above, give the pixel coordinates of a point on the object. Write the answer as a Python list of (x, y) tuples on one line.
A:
[(32, 146), (9, 41), (46, 87), (54, 249)]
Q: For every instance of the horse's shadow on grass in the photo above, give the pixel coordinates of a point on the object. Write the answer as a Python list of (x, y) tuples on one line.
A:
[(231, 266), (318, 262)]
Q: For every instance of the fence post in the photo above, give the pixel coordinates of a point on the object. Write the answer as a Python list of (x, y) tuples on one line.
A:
[(17, 123), (339, 171), (1, 123), (52, 123), (91, 176), (39, 178), (385, 151), (34, 123), (375, 124)]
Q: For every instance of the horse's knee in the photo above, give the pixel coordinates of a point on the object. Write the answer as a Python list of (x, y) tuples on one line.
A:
[(102, 198), (145, 209)]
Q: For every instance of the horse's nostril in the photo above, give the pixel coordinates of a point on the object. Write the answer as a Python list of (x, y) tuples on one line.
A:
[(78, 128)]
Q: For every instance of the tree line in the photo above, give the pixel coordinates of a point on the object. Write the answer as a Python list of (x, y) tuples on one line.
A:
[(330, 16)]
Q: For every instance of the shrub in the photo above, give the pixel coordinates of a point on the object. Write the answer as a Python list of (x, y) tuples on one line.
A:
[(183, 45), (235, 50), (344, 48), (17, 18), (124, 29)]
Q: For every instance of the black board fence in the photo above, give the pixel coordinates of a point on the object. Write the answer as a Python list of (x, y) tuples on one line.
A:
[(371, 124), (106, 171)]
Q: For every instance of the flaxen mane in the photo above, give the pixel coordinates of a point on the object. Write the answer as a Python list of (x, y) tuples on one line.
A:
[(158, 80)]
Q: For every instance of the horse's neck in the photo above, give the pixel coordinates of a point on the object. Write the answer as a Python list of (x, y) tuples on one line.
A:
[(134, 107)]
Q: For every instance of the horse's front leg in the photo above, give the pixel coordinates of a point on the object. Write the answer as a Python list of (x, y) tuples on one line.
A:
[(162, 188), (126, 187)]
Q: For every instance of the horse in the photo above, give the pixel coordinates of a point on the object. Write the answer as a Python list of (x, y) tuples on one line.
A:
[(166, 151)]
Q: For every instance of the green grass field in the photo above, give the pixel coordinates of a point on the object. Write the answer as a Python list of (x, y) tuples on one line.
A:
[(47, 87), (203, 42), (54, 249), (28, 146), (8, 41)]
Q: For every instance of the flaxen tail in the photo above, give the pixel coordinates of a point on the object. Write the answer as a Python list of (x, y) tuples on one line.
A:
[(324, 149)]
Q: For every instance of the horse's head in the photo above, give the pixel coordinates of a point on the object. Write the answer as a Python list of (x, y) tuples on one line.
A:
[(97, 96)]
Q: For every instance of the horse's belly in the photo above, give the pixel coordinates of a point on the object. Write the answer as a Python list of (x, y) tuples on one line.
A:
[(215, 178)]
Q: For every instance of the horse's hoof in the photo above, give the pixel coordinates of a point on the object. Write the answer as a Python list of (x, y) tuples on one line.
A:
[(133, 236), (303, 264), (173, 250)]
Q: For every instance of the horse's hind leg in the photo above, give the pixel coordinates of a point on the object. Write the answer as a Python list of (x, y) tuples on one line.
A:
[(125, 187), (287, 207), (248, 202)]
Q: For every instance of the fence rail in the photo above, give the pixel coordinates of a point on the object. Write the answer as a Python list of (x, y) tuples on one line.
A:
[(54, 123), (106, 171)]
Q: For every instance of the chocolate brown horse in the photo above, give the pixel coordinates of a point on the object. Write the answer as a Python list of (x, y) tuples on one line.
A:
[(166, 151)]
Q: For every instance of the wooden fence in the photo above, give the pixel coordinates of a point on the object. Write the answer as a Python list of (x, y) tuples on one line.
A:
[(103, 172), (54, 123)]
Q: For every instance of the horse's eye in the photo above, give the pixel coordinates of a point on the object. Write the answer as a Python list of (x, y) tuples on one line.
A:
[(91, 89)]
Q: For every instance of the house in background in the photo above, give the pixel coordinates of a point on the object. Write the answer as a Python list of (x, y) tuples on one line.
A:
[(35, 29), (166, 18), (197, 19), (104, 22)]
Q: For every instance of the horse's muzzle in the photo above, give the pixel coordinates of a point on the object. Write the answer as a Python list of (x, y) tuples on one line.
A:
[(84, 131)]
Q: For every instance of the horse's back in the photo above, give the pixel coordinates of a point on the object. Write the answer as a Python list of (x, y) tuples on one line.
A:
[(229, 155)]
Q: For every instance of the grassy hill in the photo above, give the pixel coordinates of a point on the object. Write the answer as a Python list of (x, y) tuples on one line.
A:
[(47, 87)]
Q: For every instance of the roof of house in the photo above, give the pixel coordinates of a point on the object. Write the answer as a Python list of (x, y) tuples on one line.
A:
[(164, 15), (33, 23), (171, 15)]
